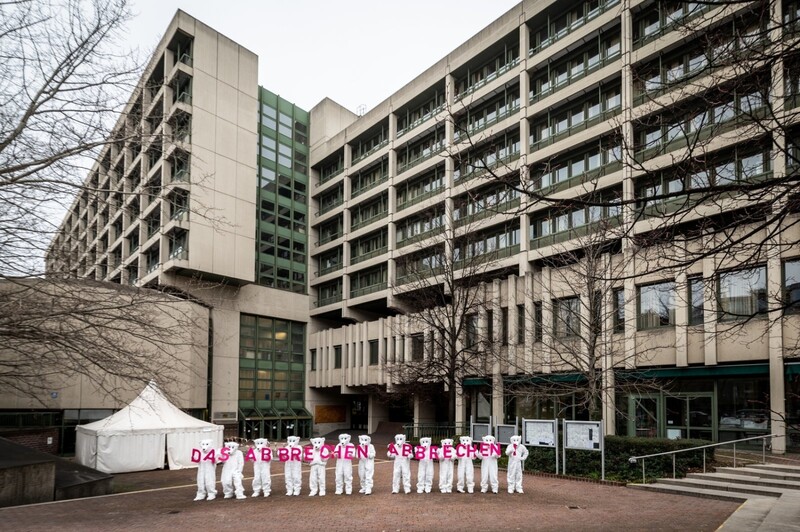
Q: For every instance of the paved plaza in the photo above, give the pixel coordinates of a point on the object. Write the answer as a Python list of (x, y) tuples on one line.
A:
[(162, 500)]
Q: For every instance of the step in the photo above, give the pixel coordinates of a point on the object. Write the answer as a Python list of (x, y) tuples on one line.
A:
[(698, 492), (749, 516), (722, 486), (784, 468), (747, 479), (761, 473)]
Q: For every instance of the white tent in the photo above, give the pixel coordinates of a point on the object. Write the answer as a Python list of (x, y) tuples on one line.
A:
[(135, 438)]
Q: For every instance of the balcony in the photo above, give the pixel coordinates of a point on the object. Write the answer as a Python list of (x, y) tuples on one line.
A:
[(420, 197), (369, 255), (357, 292), (366, 221), (419, 237), (488, 79), (426, 154), (372, 150), (368, 186), (576, 232), (491, 210), (555, 86), (330, 300), (482, 124), (575, 25), (424, 118), (553, 137), (330, 268)]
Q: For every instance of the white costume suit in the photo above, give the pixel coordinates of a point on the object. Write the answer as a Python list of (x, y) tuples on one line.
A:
[(466, 471), (316, 477), (292, 471), (489, 465), (402, 466), (446, 467), (517, 454), (425, 468), (366, 466), (262, 481), (232, 472), (344, 466), (206, 474)]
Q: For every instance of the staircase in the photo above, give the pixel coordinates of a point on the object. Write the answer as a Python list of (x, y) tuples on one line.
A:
[(769, 493)]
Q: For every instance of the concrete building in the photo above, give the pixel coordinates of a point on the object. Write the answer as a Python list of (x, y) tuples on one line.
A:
[(573, 100), (304, 232)]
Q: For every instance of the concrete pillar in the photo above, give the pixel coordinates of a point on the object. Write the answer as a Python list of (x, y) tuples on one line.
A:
[(461, 408), (547, 321), (424, 410), (682, 309), (710, 310), (376, 412)]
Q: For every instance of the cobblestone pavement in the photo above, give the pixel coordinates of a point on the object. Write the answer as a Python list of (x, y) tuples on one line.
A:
[(547, 504)]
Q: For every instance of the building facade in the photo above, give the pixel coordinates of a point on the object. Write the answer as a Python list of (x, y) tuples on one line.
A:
[(565, 144), (552, 125)]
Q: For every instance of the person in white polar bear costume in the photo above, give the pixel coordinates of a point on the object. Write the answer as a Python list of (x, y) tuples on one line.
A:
[(425, 467), (366, 464), (344, 452), (445, 455), (292, 470), (466, 471), (517, 454), (206, 473), (232, 472), (262, 480), (316, 477), (402, 466), (489, 454)]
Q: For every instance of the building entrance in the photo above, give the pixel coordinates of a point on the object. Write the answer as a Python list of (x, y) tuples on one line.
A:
[(674, 416)]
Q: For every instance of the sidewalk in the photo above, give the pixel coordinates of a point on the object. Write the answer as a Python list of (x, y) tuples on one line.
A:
[(164, 502)]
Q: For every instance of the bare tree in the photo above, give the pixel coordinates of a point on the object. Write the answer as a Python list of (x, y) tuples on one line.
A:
[(65, 83), (442, 288)]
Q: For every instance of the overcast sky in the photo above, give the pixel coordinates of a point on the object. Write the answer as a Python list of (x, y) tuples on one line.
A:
[(356, 52)]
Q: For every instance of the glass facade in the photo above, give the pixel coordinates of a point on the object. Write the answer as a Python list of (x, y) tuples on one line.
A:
[(272, 378), (282, 234)]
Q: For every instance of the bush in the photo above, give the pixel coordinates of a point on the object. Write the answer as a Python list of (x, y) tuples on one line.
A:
[(618, 450)]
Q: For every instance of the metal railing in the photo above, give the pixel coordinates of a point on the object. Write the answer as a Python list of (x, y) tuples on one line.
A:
[(763, 438), (435, 431)]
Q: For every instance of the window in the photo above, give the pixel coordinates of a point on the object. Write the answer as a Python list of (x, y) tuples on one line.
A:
[(490, 325), (417, 347), (313, 360), (567, 316), (337, 357), (742, 293), (619, 310), (504, 326), (696, 301), (373, 352), (791, 285), (471, 329), (537, 322), (520, 324), (656, 305)]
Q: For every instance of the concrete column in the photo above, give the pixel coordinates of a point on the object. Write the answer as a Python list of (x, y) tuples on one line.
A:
[(547, 321), (424, 410), (461, 410), (777, 382), (497, 370), (710, 310), (514, 353), (376, 412), (682, 310), (529, 355)]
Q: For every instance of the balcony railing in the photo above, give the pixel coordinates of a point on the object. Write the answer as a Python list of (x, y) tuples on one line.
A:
[(495, 254), (367, 186), (181, 176), (480, 125), (554, 87), (427, 116), (586, 124), (328, 238), (488, 211), (369, 152), (356, 292), (605, 169), (491, 77), (576, 24), (576, 232), (660, 28), (478, 171), (331, 268), (325, 301), (420, 197), (326, 178), (366, 221), (186, 59), (419, 236), (427, 153), (330, 206), (369, 255)]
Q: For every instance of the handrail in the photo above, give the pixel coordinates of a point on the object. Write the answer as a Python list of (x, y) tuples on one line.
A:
[(763, 438)]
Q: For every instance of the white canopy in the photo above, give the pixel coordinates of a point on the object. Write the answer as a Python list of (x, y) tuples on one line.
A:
[(135, 438)]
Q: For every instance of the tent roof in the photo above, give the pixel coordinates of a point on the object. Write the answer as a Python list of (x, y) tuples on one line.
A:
[(150, 412)]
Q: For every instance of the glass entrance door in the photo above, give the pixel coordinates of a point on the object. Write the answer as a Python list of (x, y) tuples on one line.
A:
[(690, 416), (644, 416)]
